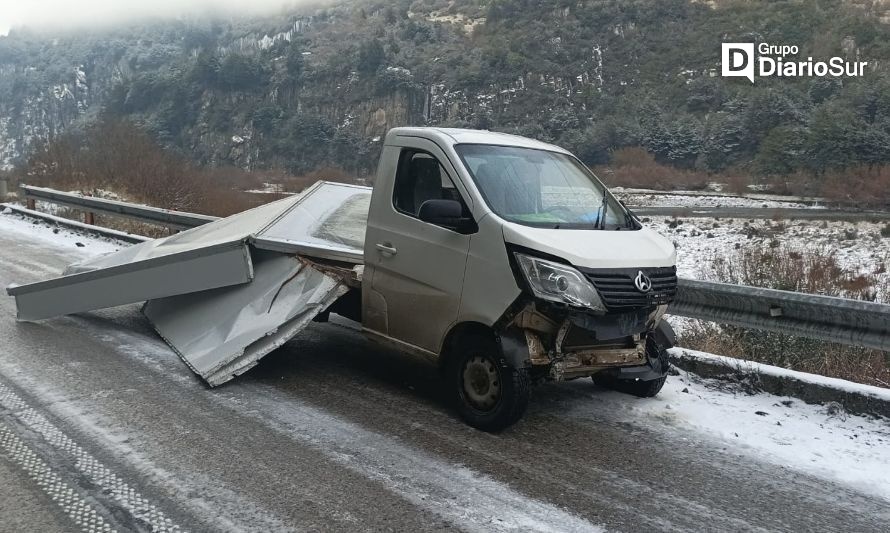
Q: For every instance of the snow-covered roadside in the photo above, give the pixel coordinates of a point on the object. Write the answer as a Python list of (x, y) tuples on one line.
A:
[(748, 367), (813, 439), (642, 198), (44, 232), (716, 191)]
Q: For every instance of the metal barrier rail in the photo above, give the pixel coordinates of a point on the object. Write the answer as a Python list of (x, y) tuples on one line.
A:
[(827, 318), (851, 322), (90, 205), (778, 213)]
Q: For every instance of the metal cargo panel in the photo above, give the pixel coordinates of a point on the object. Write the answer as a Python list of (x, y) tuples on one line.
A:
[(225, 294), (224, 332), (190, 271), (328, 221)]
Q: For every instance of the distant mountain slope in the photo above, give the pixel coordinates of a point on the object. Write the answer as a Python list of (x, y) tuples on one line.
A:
[(322, 85)]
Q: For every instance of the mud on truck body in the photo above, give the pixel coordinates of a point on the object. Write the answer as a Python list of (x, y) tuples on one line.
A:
[(502, 259)]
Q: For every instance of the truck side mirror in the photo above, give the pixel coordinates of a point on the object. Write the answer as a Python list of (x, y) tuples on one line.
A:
[(448, 214)]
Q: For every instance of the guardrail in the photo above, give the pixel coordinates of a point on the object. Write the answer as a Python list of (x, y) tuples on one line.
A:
[(777, 213), (90, 205), (851, 322), (827, 318)]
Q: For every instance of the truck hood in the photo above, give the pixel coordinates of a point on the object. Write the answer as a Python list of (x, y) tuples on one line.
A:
[(596, 248)]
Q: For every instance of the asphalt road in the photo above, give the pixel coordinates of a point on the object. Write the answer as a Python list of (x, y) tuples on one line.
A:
[(102, 427)]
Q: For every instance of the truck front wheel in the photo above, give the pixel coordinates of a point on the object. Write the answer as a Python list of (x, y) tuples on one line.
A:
[(491, 393), (638, 387), (635, 387)]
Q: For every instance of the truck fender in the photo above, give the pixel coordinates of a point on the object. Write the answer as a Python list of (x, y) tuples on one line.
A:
[(514, 347), (664, 335)]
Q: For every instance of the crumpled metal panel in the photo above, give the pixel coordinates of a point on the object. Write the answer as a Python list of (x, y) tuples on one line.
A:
[(224, 332)]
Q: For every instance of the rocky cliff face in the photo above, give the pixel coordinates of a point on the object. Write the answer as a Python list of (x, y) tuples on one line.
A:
[(307, 89)]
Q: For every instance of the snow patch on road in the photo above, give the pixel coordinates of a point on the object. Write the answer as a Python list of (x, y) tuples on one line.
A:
[(140, 508), (469, 500), (85, 415), (820, 441)]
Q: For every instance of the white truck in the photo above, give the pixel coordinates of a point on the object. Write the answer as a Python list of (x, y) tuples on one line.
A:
[(502, 259)]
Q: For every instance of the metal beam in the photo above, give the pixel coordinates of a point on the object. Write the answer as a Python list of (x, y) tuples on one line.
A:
[(184, 272), (777, 213), (142, 213), (827, 318)]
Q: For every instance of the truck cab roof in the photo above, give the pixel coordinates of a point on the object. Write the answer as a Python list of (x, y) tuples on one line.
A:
[(452, 136)]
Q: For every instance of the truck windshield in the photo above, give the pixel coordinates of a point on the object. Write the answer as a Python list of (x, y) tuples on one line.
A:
[(542, 189)]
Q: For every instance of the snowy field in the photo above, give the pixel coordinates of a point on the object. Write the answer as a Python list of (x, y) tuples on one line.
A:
[(641, 198), (859, 246)]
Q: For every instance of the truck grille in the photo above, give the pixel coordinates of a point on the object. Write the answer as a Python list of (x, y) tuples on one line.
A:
[(617, 289)]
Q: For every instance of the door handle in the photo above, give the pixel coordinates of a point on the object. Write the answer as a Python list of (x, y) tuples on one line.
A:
[(386, 248)]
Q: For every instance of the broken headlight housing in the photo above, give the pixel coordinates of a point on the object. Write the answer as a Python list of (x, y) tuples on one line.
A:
[(558, 283)]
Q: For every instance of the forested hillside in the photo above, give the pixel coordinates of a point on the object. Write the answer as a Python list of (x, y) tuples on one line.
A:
[(319, 85)]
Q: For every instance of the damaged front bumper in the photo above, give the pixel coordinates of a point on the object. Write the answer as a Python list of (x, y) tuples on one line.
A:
[(560, 345)]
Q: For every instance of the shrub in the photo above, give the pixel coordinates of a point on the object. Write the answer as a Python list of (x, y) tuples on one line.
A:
[(810, 271), (635, 167), (861, 186)]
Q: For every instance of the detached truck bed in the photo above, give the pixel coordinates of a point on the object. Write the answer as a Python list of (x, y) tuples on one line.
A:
[(225, 294)]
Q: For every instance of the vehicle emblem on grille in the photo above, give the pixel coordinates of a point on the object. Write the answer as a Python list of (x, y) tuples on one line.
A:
[(642, 282)]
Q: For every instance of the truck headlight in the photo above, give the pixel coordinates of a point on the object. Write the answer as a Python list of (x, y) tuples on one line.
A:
[(559, 283)]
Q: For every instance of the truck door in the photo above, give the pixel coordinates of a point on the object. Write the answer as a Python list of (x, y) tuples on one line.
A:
[(417, 268)]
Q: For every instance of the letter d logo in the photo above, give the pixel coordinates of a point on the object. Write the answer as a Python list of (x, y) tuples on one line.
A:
[(737, 59)]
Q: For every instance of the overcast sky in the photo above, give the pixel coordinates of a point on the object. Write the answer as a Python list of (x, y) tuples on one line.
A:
[(55, 14)]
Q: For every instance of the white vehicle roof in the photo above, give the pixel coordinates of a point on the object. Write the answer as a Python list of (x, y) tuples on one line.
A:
[(452, 136)]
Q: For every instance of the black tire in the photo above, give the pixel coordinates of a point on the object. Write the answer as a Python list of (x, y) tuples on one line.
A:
[(491, 394), (637, 387)]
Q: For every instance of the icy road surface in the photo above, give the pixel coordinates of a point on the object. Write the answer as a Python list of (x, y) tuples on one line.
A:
[(103, 428)]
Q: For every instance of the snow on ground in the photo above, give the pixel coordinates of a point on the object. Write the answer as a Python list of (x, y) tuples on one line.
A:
[(682, 200), (654, 197), (45, 232), (270, 188), (859, 246), (814, 439), (748, 367)]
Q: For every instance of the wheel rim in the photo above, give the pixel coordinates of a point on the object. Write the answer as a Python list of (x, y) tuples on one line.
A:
[(481, 385)]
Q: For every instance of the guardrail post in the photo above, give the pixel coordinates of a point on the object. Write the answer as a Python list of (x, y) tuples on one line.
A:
[(31, 204), (4, 188), (88, 218)]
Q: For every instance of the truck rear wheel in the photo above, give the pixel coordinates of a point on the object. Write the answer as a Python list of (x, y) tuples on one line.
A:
[(490, 392)]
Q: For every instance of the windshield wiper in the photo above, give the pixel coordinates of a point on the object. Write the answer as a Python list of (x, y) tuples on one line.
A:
[(601, 212)]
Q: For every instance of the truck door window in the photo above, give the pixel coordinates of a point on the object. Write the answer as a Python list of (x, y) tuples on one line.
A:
[(420, 177)]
